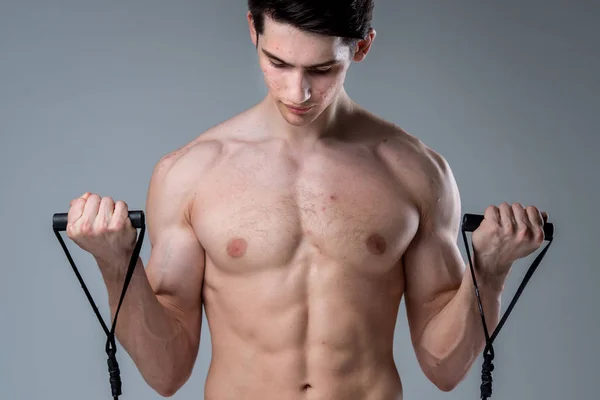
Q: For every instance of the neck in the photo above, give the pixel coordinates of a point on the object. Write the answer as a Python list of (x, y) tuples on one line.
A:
[(326, 125)]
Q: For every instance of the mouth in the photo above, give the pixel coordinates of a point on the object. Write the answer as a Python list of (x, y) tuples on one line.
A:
[(298, 110)]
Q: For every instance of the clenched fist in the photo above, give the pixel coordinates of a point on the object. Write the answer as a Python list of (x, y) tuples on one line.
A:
[(508, 233), (102, 227)]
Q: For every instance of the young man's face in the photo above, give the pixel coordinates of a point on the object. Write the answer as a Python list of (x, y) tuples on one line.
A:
[(304, 72)]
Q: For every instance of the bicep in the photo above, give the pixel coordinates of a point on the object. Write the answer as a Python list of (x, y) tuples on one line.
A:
[(175, 269), (432, 263)]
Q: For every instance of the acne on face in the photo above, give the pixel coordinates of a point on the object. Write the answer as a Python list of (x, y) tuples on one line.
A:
[(299, 51)]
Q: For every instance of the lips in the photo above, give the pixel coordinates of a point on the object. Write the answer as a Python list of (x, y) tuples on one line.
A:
[(298, 110)]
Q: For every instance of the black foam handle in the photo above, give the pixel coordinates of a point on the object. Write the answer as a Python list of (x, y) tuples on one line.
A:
[(472, 222), (59, 221)]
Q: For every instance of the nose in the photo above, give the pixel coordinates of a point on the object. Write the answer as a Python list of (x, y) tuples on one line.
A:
[(299, 90)]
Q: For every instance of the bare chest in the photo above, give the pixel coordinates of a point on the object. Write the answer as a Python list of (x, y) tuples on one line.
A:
[(262, 211)]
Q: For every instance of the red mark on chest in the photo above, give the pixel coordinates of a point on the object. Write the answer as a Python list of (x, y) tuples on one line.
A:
[(376, 244), (333, 197), (237, 248)]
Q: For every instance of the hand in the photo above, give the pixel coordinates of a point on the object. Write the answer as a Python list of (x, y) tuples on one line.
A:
[(102, 227), (507, 233)]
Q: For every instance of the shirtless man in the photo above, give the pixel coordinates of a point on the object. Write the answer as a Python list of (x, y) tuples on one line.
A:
[(299, 225)]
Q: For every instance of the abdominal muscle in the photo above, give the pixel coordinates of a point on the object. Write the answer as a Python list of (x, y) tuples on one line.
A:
[(313, 329)]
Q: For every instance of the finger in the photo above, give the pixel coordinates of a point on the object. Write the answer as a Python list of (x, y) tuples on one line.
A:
[(521, 218), (545, 216), (120, 216), (537, 222), (83, 197), (75, 212), (90, 212), (105, 212), (534, 216), (492, 214), (507, 219)]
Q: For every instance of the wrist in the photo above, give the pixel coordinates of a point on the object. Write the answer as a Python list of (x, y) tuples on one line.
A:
[(491, 275), (491, 283), (113, 268)]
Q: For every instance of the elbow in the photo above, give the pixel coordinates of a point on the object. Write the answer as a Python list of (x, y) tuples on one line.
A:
[(168, 384), (168, 388), (167, 391), (442, 379), (444, 376), (446, 385)]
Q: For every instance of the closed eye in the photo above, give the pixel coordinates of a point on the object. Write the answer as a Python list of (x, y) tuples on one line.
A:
[(277, 65), (317, 71), (321, 71)]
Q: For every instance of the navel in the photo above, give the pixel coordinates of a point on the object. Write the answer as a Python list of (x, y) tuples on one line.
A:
[(376, 244), (236, 248)]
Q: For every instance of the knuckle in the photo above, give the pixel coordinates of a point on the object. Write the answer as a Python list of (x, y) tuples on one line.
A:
[(524, 233), (117, 226), (71, 231), (100, 227), (86, 228), (539, 235)]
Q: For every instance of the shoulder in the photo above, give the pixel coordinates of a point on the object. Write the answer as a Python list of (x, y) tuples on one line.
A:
[(178, 173), (202, 151), (422, 171)]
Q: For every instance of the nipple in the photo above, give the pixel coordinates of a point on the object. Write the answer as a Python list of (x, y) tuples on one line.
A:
[(236, 248), (376, 244)]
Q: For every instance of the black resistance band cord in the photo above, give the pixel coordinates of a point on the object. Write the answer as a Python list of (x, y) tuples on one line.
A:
[(469, 224), (138, 221)]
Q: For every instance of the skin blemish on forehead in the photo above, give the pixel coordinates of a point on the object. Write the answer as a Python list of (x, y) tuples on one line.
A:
[(237, 247), (376, 244), (300, 49)]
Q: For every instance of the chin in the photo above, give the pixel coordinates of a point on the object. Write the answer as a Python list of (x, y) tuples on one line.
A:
[(296, 120)]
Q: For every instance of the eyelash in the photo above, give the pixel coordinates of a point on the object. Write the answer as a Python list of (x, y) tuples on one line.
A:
[(314, 71)]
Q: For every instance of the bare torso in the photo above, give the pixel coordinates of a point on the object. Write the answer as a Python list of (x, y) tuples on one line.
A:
[(304, 274)]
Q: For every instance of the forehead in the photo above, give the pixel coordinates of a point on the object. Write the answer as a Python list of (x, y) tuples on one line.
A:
[(297, 46)]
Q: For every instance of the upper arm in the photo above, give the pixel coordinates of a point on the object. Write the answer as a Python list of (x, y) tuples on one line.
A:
[(176, 266), (432, 263)]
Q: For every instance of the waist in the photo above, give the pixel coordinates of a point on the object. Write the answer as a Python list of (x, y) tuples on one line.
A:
[(309, 373)]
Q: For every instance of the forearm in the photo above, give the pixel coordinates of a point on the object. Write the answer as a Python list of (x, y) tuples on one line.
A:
[(454, 337), (152, 336)]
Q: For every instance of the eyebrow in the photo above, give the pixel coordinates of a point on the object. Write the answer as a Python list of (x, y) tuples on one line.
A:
[(320, 65)]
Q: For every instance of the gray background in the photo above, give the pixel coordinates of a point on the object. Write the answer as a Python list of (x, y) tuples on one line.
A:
[(93, 93)]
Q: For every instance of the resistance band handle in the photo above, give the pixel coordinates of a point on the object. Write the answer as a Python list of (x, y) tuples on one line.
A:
[(59, 221), (472, 221)]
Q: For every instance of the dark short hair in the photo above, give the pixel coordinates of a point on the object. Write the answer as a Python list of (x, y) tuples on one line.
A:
[(348, 19)]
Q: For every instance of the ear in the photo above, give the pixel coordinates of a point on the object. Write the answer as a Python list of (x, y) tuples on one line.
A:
[(252, 29), (364, 46)]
